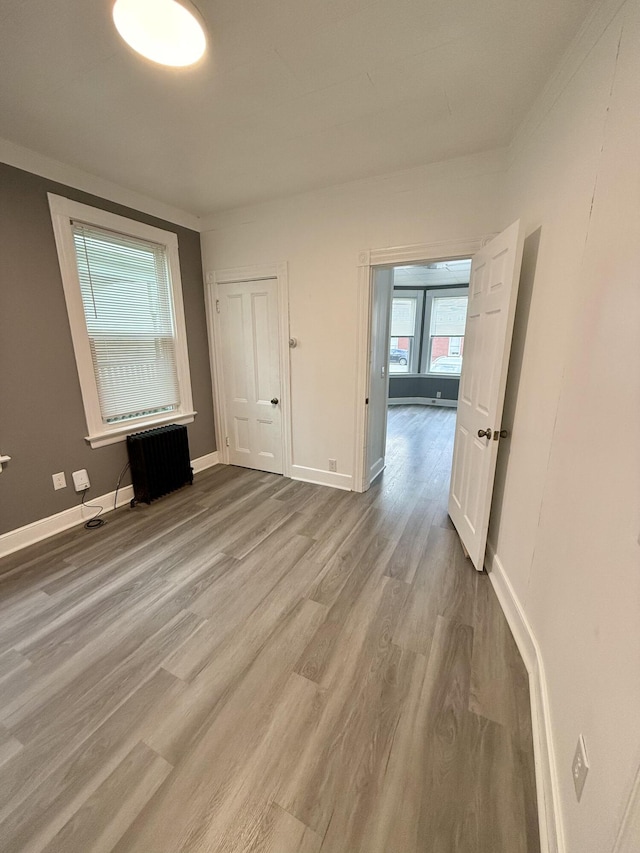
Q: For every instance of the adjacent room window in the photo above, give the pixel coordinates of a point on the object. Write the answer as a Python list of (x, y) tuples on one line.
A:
[(428, 318), (447, 318), (122, 286), (406, 314)]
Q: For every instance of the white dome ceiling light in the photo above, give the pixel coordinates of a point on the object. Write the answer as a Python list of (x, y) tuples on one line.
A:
[(169, 32)]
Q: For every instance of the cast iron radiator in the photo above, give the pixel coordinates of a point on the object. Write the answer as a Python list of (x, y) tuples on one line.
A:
[(160, 462)]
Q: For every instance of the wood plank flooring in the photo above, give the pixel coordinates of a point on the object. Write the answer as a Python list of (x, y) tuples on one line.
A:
[(255, 664)]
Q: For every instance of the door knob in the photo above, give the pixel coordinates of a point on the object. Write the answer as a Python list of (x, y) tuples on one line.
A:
[(484, 433), (275, 401)]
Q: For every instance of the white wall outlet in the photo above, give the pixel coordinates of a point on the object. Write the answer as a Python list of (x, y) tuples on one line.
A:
[(438, 394), (81, 480), (59, 481), (580, 767), (333, 465)]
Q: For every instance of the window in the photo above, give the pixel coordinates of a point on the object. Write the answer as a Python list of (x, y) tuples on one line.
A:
[(122, 287), (447, 312), (428, 317), (406, 313)]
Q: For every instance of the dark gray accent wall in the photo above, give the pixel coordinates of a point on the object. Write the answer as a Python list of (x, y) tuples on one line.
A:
[(424, 386), (42, 422)]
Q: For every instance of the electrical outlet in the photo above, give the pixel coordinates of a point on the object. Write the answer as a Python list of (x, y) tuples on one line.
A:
[(580, 767), (59, 481), (438, 394), (333, 465), (81, 480)]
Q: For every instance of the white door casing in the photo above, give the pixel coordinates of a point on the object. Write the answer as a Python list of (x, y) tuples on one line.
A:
[(493, 289), (378, 387), (248, 324)]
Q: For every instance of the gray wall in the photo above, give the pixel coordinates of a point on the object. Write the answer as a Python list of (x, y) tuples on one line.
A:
[(42, 422), (424, 386)]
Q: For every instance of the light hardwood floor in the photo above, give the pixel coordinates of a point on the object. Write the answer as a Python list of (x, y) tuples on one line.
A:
[(254, 664)]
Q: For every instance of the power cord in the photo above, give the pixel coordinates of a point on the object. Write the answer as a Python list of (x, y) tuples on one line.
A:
[(93, 522), (120, 476)]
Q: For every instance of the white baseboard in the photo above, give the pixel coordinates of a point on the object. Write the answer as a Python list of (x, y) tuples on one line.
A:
[(321, 477), (551, 834), (206, 461), (421, 401), (21, 537)]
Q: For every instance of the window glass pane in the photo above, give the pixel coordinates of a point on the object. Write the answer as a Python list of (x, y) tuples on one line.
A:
[(126, 293), (446, 345), (400, 354), (404, 311), (439, 359), (455, 346)]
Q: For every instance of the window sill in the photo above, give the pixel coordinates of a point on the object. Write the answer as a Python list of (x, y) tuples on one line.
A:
[(101, 439)]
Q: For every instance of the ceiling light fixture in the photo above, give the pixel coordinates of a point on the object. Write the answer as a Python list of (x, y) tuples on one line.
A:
[(169, 32)]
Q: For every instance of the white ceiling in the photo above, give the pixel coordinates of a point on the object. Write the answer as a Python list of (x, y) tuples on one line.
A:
[(293, 94), (440, 274)]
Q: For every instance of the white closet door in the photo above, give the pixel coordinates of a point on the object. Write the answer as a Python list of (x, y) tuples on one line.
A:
[(251, 371)]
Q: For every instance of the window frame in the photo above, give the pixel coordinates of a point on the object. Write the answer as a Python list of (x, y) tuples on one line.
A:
[(430, 295), (63, 211), (418, 295)]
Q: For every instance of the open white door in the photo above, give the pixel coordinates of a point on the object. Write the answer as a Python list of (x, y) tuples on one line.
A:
[(378, 391), (493, 289), (250, 373)]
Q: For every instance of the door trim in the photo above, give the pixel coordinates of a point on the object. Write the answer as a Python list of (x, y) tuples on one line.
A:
[(368, 259), (213, 279)]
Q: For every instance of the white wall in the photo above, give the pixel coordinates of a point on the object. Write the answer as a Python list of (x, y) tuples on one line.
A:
[(320, 235), (566, 513)]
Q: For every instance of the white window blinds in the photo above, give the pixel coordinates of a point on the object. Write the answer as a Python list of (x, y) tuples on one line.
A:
[(403, 316), (448, 316), (126, 293)]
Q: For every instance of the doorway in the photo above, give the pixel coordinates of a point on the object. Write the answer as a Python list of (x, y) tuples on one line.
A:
[(367, 410), (425, 347), (418, 315), (429, 340)]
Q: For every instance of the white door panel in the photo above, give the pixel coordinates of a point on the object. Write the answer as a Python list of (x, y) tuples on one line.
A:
[(493, 288), (378, 391), (251, 371)]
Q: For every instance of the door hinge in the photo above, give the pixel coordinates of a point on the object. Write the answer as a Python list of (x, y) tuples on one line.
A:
[(218, 306), (366, 401), (227, 440)]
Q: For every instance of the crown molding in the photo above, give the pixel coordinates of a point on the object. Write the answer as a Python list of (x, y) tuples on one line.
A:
[(54, 170)]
